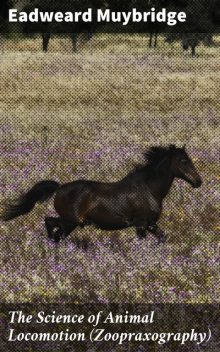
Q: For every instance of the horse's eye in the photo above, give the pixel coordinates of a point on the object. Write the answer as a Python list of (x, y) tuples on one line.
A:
[(184, 161)]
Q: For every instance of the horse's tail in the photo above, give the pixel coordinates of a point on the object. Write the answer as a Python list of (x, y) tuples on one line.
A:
[(41, 192)]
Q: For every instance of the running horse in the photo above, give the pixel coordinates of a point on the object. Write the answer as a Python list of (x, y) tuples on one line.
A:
[(135, 201)]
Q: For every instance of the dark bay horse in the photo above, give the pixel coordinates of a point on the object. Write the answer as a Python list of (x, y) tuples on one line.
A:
[(135, 201)]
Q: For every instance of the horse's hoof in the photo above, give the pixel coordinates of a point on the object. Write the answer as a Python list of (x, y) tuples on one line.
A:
[(77, 242), (162, 239), (141, 238), (54, 240), (85, 244)]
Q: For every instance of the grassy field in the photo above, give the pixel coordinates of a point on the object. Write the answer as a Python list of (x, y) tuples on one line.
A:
[(90, 115)]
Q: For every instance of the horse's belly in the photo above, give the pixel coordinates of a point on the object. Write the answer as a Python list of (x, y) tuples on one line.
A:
[(107, 219), (111, 226)]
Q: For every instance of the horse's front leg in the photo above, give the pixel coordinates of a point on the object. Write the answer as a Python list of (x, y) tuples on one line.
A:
[(141, 232), (155, 230)]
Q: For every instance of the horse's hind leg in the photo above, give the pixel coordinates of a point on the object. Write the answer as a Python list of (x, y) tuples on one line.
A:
[(58, 228), (161, 236), (54, 228), (68, 227)]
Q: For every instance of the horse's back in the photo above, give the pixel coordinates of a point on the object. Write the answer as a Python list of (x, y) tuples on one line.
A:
[(72, 188), (77, 197)]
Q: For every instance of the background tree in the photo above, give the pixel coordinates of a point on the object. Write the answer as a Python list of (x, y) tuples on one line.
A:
[(154, 28), (199, 27), (203, 20), (215, 12), (72, 29), (4, 7)]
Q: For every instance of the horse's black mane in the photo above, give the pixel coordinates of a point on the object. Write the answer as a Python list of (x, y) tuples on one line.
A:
[(154, 156)]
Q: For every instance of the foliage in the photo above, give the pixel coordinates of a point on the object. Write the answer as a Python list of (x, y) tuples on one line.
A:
[(4, 7), (203, 19)]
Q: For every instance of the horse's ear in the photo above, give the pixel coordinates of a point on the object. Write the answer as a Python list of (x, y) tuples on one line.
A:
[(184, 147)]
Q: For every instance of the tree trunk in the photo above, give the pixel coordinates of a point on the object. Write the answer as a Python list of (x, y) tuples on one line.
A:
[(74, 41), (150, 40), (89, 35), (1, 44), (155, 39), (193, 50), (46, 39)]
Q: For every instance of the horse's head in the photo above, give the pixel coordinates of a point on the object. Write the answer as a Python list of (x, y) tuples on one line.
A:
[(183, 167)]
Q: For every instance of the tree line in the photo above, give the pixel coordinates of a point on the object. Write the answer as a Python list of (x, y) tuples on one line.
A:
[(203, 20)]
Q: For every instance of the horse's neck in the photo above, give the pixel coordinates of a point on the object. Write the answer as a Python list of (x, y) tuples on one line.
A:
[(162, 182)]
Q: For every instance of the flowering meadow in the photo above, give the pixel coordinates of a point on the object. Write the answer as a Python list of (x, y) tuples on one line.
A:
[(91, 115)]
